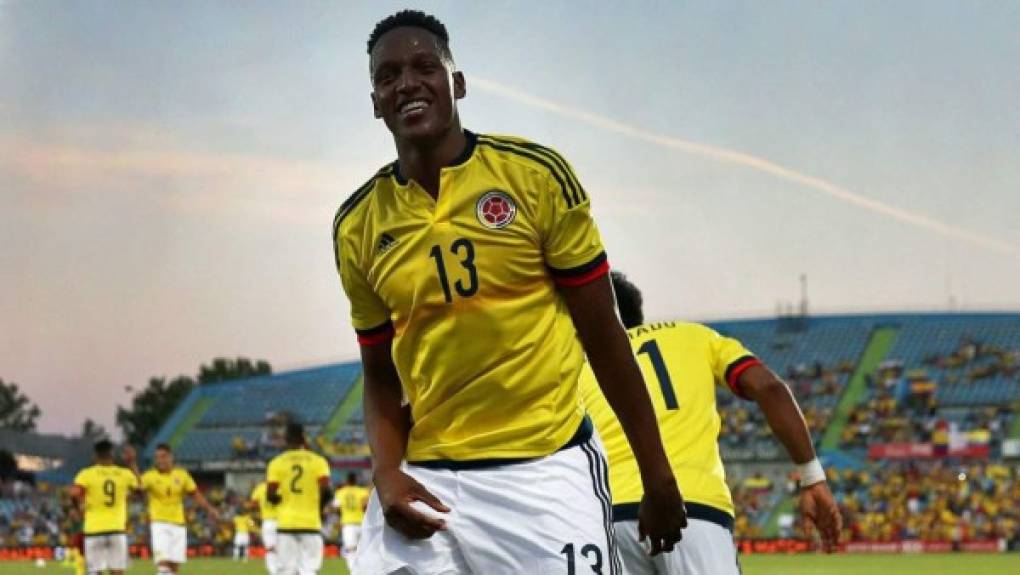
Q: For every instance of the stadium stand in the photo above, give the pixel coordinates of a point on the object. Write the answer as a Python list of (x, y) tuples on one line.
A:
[(920, 420), (241, 419)]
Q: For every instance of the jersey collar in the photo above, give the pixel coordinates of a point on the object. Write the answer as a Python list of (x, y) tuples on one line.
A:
[(464, 156)]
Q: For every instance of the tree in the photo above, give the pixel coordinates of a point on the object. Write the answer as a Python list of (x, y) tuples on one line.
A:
[(223, 369), (151, 407), (16, 411), (93, 431)]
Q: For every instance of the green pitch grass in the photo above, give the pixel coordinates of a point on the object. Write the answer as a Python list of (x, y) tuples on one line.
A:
[(948, 564), (938, 564)]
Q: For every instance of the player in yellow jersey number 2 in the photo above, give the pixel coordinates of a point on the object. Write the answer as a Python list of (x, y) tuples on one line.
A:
[(478, 282), (683, 365), (297, 482)]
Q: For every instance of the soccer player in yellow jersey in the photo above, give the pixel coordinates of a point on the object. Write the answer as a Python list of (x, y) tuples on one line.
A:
[(297, 481), (477, 282), (351, 500), (243, 525), (166, 486), (104, 488), (683, 364), (267, 511)]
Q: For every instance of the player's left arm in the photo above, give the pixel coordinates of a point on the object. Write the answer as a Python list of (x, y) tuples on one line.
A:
[(776, 401), (199, 498), (662, 515), (572, 249), (78, 493), (273, 493), (325, 487)]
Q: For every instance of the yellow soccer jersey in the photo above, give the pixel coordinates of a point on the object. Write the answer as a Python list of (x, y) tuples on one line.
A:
[(166, 494), (243, 523), (106, 492), (681, 363), (466, 287), (296, 473), (351, 500), (266, 509)]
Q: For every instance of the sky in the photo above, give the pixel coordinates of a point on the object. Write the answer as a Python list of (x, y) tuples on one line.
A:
[(169, 171)]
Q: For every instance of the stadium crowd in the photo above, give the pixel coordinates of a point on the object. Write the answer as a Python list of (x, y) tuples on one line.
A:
[(933, 501), (903, 405), (927, 501)]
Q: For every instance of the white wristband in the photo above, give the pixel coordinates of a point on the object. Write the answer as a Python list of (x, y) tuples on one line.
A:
[(811, 472)]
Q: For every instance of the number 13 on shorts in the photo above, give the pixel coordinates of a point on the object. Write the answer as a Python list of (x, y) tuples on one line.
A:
[(589, 551)]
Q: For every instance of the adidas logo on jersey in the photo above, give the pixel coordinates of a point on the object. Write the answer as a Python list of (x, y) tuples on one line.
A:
[(385, 244)]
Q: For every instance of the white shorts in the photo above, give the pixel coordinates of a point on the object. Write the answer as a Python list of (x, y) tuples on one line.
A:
[(169, 542), (298, 553), (242, 540), (535, 517), (706, 549), (349, 537), (269, 533), (106, 552)]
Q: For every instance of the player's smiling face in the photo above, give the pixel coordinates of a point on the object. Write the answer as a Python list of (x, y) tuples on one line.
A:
[(414, 86), (164, 460)]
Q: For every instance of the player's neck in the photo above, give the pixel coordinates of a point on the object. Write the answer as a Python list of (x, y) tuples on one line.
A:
[(422, 161)]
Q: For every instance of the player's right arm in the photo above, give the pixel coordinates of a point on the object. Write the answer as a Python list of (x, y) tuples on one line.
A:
[(387, 423), (776, 401), (387, 420), (79, 488)]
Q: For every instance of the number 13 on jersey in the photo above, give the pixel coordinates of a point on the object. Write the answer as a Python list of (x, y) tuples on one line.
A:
[(465, 251)]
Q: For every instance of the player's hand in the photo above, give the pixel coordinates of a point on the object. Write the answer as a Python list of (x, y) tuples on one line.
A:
[(662, 516), (398, 493), (819, 510)]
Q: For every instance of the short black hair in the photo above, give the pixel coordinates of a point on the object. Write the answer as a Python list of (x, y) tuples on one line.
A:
[(628, 300), (414, 19), (103, 448), (352, 478), (164, 447), (295, 434)]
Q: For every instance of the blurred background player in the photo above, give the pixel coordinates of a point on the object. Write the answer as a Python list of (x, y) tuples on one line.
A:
[(165, 487), (682, 364), (298, 484), (351, 500), (103, 490), (243, 526), (267, 513)]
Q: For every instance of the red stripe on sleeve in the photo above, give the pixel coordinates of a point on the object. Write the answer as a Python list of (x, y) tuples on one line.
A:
[(574, 281), (375, 336), (734, 375)]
